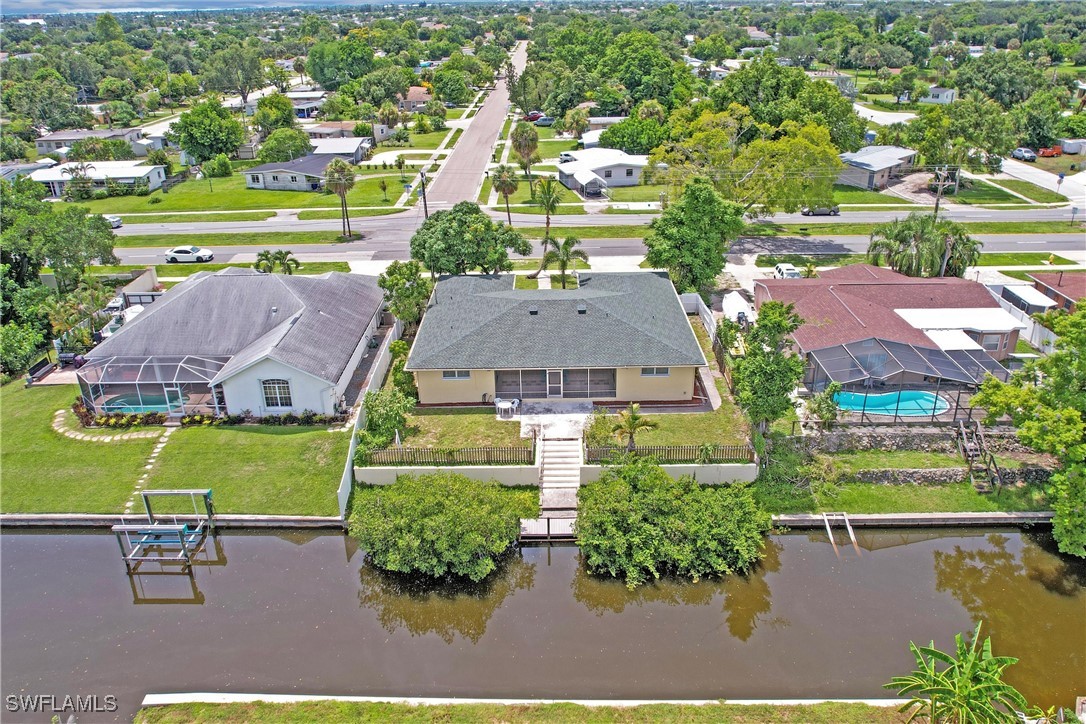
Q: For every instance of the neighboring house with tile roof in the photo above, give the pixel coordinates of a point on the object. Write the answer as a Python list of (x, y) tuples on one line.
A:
[(1064, 288), (617, 337), (238, 340), (865, 324)]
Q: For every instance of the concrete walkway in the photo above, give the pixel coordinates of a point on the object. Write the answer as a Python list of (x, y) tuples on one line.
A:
[(883, 118), (1073, 186)]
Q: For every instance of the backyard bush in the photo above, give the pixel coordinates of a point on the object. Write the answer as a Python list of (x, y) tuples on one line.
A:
[(439, 525), (386, 413), (638, 523)]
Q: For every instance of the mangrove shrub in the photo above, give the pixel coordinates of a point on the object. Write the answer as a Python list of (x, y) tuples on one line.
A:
[(638, 523)]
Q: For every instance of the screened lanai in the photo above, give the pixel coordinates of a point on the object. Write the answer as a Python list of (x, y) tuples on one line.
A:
[(878, 362), (175, 385)]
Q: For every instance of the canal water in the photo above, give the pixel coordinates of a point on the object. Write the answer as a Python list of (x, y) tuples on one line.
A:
[(302, 613)]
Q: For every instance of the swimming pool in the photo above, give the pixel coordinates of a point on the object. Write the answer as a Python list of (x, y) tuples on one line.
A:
[(907, 403), (130, 404)]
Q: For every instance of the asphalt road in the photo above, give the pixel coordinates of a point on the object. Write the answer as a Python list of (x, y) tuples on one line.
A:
[(389, 248), (462, 173)]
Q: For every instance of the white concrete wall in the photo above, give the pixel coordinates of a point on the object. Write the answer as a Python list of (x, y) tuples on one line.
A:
[(718, 474), (504, 474), (618, 175), (244, 391)]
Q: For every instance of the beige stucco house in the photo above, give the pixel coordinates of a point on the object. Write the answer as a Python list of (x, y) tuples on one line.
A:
[(618, 337)]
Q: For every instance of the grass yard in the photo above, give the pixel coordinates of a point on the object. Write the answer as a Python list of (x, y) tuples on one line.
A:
[(354, 213), (618, 231), (1024, 347), (427, 141), (453, 113), (982, 192), (45, 472), (188, 218), (641, 192), (257, 469), (523, 194), (563, 210), (955, 498), (556, 281), (521, 281), (723, 426), (551, 149), (484, 193), (1031, 191), (858, 229), (895, 459), (1016, 274), (1020, 258), (529, 264), (457, 427), (1061, 164), (457, 132), (186, 270), (851, 195), (799, 261), (337, 712), (270, 239), (229, 194)]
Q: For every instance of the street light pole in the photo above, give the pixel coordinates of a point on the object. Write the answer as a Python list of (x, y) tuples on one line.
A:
[(425, 208)]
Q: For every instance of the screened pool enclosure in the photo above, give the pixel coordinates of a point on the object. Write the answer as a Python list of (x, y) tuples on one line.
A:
[(175, 385)]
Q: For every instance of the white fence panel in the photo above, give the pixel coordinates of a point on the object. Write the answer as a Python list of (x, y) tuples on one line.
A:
[(1041, 338)]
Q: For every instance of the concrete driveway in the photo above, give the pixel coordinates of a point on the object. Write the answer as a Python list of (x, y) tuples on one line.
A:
[(1073, 187), (883, 118)]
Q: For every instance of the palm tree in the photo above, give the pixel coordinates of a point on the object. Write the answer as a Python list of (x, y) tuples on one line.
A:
[(547, 197), (388, 114), (504, 179), (525, 140), (265, 262), (79, 174), (383, 185), (810, 271), (564, 255), (921, 245), (630, 422), (339, 177), (286, 261), (576, 121)]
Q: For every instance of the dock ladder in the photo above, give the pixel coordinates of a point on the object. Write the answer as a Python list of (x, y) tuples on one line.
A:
[(826, 518), (984, 472), (164, 542)]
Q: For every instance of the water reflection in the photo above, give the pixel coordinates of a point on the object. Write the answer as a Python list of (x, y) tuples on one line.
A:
[(423, 606), (993, 584), (747, 598), (152, 582)]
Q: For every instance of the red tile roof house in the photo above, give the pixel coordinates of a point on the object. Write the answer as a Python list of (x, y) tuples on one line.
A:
[(417, 97), (1065, 288), (865, 327)]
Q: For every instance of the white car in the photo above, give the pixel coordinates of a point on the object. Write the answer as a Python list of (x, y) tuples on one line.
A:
[(115, 222), (785, 270), (188, 253)]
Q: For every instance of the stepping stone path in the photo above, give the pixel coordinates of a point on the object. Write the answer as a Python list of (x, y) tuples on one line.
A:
[(149, 467), (60, 424)]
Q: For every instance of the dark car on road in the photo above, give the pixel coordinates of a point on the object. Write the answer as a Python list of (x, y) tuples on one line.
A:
[(820, 211)]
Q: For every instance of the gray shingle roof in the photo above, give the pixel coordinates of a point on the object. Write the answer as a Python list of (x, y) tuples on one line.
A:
[(306, 165), (481, 322), (311, 323)]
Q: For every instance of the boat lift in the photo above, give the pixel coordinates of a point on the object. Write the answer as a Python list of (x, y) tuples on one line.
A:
[(167, 543), (848, 526)]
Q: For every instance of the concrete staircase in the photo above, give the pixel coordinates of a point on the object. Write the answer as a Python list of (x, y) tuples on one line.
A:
[(559, 478)]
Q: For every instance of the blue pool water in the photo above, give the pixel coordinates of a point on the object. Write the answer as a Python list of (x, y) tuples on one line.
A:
[(907, 403), (130, 404)]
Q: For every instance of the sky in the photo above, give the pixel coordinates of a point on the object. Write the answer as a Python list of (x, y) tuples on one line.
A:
[(35, 7)]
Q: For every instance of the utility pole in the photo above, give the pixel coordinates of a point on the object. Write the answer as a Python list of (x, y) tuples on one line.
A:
[(941, 182), (425, 208)]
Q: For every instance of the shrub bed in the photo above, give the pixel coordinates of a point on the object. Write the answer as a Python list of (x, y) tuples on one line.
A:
[(638, 523), (442, 524), (122, 420)]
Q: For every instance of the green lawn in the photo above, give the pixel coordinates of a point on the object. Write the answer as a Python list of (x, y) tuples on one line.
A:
[(393, 193), (228, 194), (1031, 191), (270, 239), (453, 113), (185, 270), (1061, 164), (457, 132), (981, 192), (457, 427), (851, 195), (551, 149), (766, 228), (641, 192), (618, 231), (564, 210), (723, 426), (799, 261), (1020, 258), (1016, 274), (521, 281), (530, 264), (484, 193), (955, 498), (523, 194), (1024, 347), (257, 469), (45, 472), (193, 217), (337, 712), (895, 459), (419, 141)]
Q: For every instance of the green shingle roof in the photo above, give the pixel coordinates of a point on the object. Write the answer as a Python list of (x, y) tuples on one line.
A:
[(481, 322)]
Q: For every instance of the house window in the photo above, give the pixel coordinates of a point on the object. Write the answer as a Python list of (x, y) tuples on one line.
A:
[(991, 342), (275, 178), (629, 172), (456, 374), (607, 173), (655, 371), (277, 393), (294, 179), (254, 178)]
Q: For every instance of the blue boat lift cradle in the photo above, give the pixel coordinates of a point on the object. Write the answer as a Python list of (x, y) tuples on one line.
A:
[(167, 542)]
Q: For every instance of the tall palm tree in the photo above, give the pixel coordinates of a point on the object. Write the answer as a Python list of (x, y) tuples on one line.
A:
[(286, 261), (630, 422), (339, 177), (79, 173), (564, 255), (388, 114), (576, 121), (504, 179), (265, 261), (547, 197), (921, 245), (525, 140)]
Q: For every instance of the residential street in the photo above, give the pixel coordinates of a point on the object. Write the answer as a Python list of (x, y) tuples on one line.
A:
[(462, 173)]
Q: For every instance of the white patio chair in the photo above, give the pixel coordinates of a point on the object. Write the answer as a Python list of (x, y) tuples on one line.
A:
[(516, 405)]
